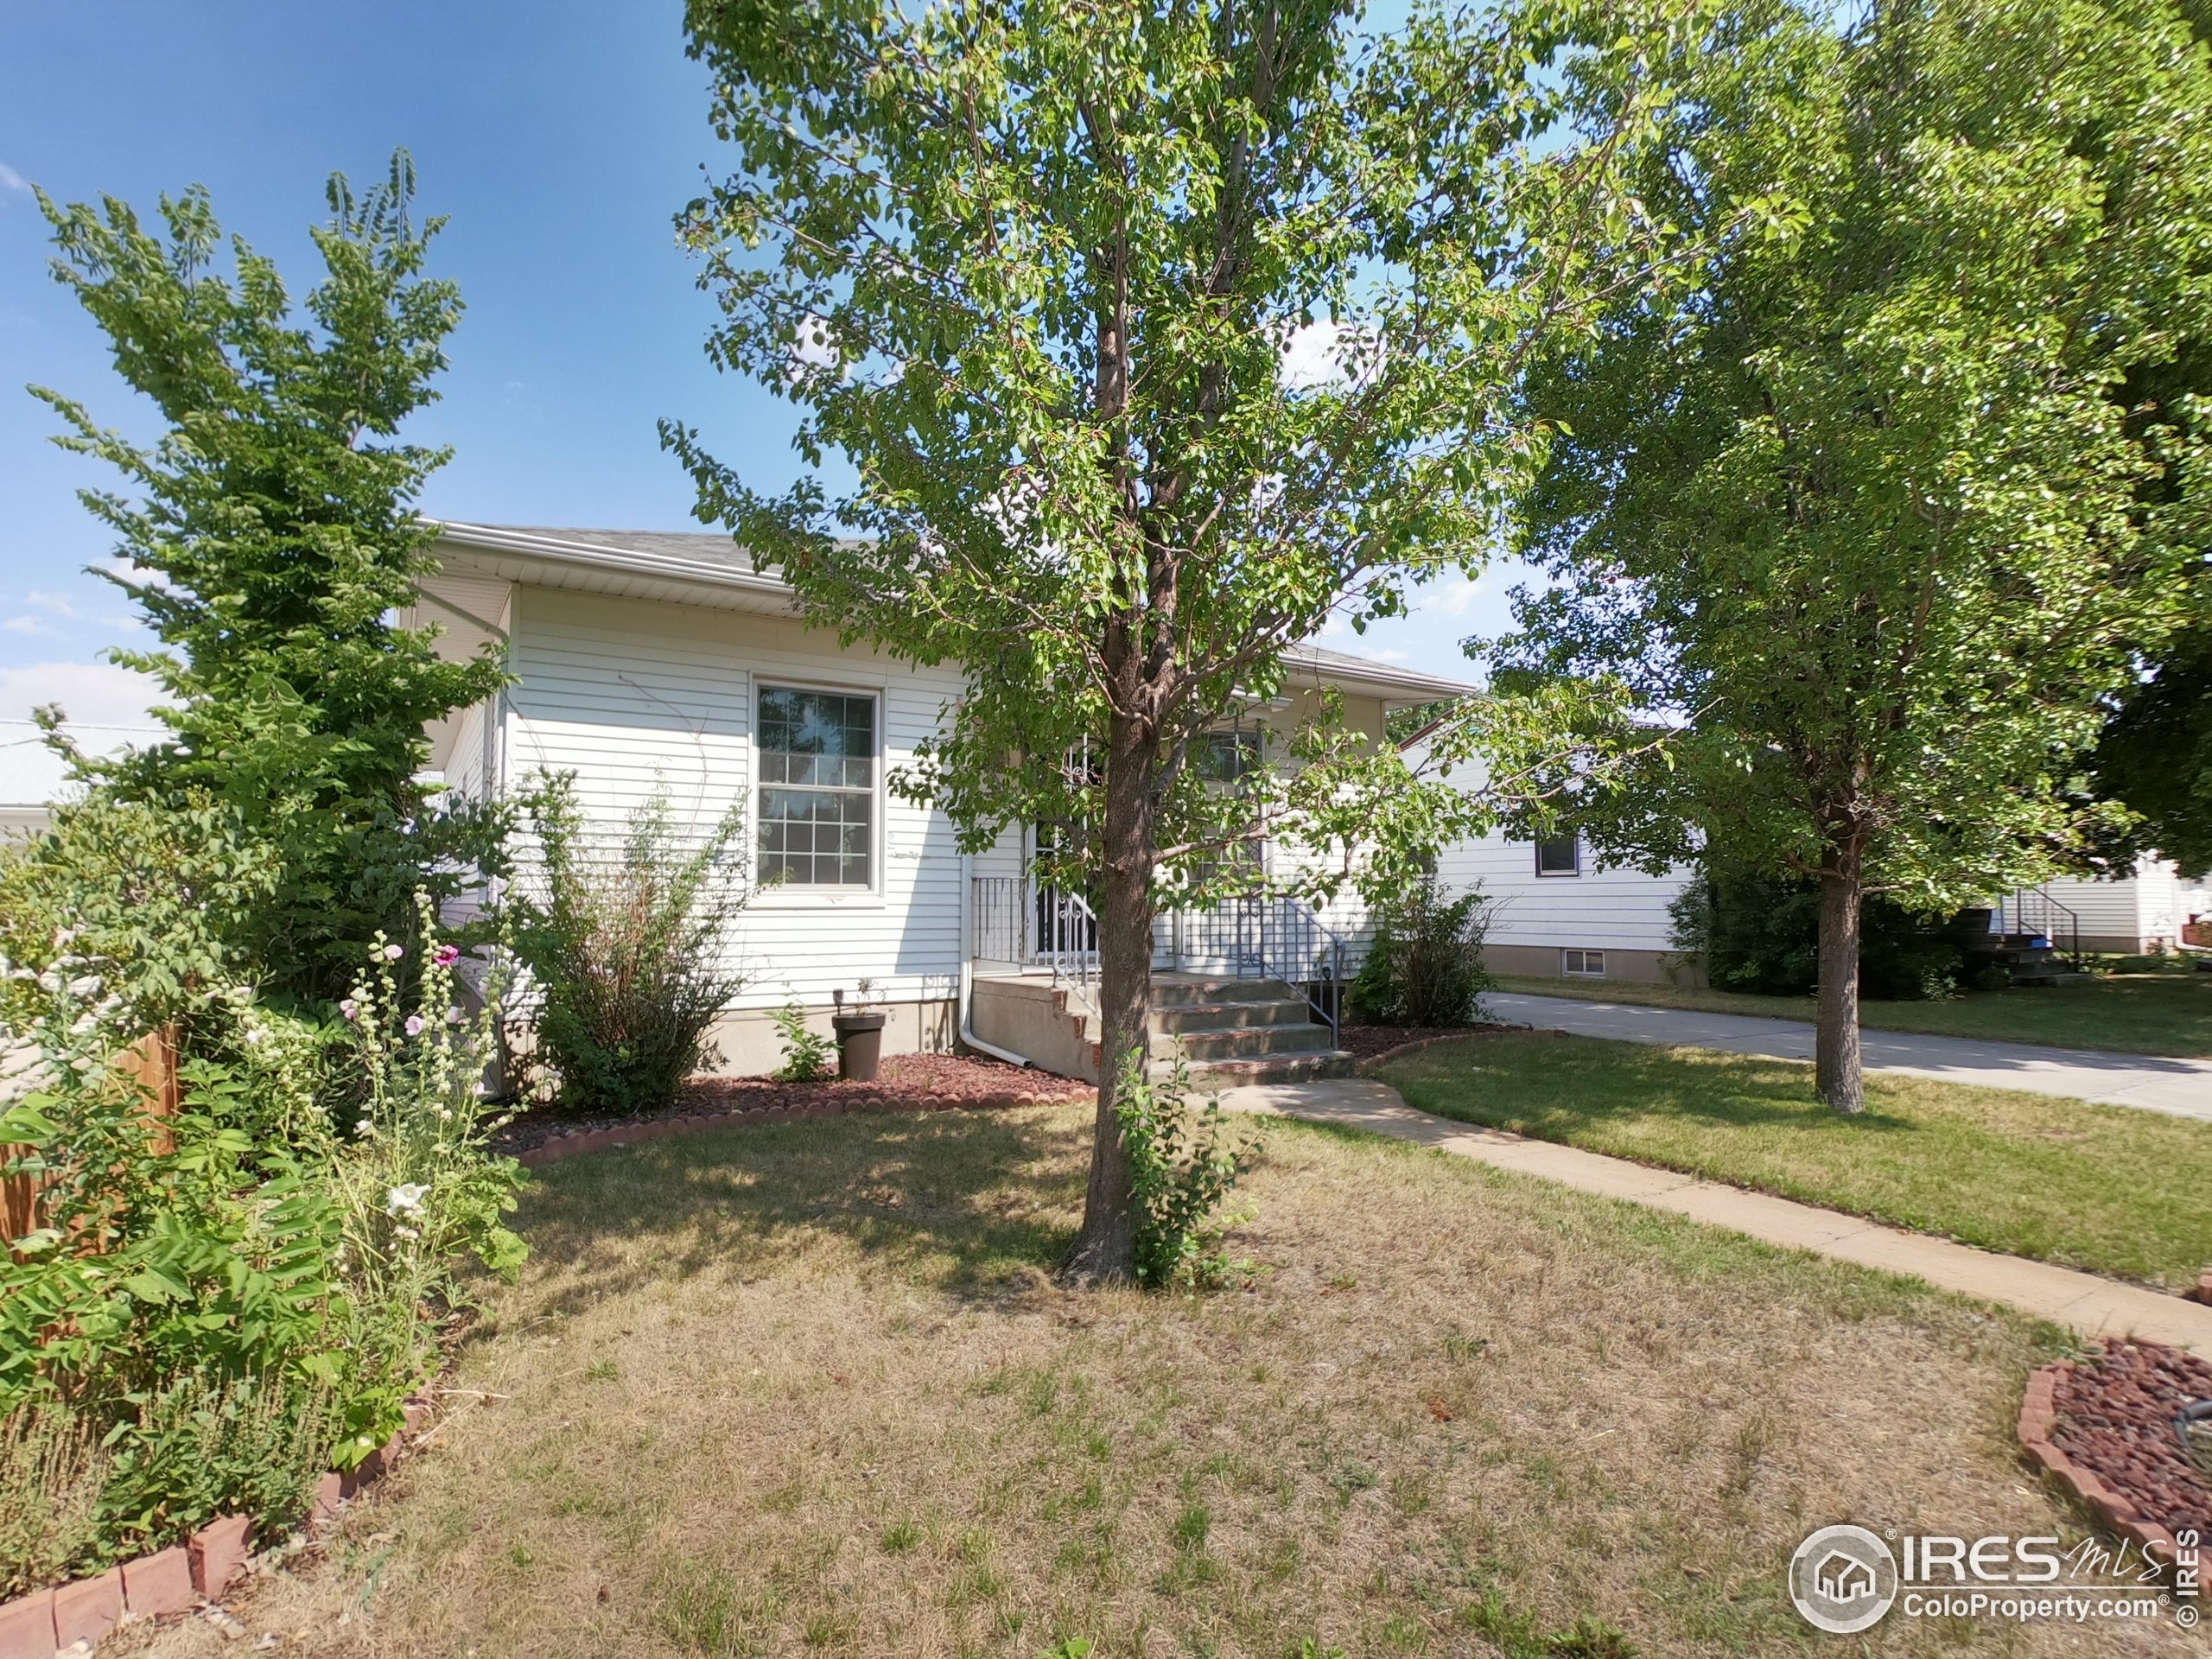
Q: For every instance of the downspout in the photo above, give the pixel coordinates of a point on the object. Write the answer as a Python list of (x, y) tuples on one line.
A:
[(968, 1036)]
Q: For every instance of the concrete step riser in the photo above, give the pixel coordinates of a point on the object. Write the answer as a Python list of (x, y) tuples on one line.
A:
[(1228, 1016), (1293, 1068), (1179, 994)]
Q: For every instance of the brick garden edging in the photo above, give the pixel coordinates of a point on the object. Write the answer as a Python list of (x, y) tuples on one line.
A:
[(578, 1141), (49, 1622), (2038, 1414)]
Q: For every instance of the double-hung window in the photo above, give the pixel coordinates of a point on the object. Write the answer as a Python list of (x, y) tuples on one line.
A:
[(817, 788)]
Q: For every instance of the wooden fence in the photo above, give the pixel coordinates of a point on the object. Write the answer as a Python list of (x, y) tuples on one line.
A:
[(149, 1065)]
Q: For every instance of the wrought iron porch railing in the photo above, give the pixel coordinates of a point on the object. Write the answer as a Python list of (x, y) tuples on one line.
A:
[(1268, 936), (2032, 912), (1028, 924)]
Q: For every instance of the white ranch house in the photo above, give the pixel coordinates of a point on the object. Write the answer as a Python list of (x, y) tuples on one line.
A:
[(649, 659), (646, 659)]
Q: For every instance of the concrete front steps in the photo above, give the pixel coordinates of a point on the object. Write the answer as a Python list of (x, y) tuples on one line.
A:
[(1232, 1033), (1229, 1031), (2031, 961)]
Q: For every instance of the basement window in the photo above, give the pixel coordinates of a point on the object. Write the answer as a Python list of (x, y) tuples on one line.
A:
[(1582, 964), (1560, 857)]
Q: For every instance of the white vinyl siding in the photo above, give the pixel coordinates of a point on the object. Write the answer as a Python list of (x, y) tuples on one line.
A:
[(1600, 908), (632, 695)]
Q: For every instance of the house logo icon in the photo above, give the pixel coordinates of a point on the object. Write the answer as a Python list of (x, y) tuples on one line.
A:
[(1843, 1580)]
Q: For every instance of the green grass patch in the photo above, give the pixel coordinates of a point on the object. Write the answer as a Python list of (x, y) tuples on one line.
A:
[(2114, 1189), (2168, 1013)]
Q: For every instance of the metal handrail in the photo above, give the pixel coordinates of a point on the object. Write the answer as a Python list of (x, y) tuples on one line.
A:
[(2032, 912), (1035, 924), (1030, 925), (1267, 937)]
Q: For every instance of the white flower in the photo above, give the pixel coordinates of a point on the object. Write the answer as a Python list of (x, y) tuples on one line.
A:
[(252, 1036), (405, 1200), (394, 952), (452, 1016), (406, 1232), (362, 1126)]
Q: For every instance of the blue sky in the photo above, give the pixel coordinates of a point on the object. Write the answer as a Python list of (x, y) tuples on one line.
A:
[(559, 136)]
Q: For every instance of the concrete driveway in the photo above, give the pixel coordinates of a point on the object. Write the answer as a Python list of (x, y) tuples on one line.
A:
[(2181, 1088)]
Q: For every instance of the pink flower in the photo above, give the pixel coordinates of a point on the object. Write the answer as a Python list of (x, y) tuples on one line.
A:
[(447, 955), (413, 1025), (394, 952), (349, 1008), (452, 1016)]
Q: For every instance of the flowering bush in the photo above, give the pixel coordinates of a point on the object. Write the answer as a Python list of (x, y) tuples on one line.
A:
[(234, 1296)]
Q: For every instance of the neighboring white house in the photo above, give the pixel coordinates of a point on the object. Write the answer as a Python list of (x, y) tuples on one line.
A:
[(645, 660), (2144, 912), (1559, 912), (32, 777)]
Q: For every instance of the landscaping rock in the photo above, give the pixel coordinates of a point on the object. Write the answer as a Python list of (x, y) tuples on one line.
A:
[(2107, 1427), (905, 1083)]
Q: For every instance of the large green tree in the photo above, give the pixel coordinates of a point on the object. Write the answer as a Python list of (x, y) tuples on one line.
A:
[(268, 536), (1033, 268), (1859, 509)]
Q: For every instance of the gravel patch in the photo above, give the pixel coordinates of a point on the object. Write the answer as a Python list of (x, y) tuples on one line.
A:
[(2115, 1418), (905, 1081)]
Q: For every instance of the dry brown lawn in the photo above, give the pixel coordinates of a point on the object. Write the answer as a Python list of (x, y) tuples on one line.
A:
[(809, 1389)]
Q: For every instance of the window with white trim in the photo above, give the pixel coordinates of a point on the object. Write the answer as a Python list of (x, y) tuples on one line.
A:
[(1582, 964), (1561, 855), (817, 788)]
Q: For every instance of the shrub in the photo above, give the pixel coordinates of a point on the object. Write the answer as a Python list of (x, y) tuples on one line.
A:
[(274, 548), (1425, 966), (241, 1293), (807, 1053), (627, 939), (1183, 1164), (1762, 934)]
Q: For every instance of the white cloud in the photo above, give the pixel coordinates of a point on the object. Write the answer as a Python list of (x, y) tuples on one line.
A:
[(47, 600), (28, 625), (99, 693), (12, 180), (1313, 353)]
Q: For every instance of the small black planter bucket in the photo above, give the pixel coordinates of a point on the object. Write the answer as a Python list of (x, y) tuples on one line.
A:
[(860, 1043)]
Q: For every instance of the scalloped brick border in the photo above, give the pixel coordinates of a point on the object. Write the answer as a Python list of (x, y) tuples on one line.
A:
[(44, 1623), (576, 1142), (2038, 1415)]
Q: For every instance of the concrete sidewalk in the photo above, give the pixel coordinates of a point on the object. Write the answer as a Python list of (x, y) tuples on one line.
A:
[(2179, 1087), (2094, 1307)]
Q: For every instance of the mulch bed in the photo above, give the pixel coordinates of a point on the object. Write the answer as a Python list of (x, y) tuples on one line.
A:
[(1373, 1042), (2115, 1417), (905, 1081)]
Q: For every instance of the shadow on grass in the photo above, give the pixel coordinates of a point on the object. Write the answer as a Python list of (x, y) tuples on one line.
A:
[(962, 1200), (1545, 1086)]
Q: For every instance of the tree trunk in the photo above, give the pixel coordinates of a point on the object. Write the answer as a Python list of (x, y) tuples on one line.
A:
[(1105, 1250), (1837, 1070)]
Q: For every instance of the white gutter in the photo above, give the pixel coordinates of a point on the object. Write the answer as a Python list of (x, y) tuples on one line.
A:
[(599, 556)]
